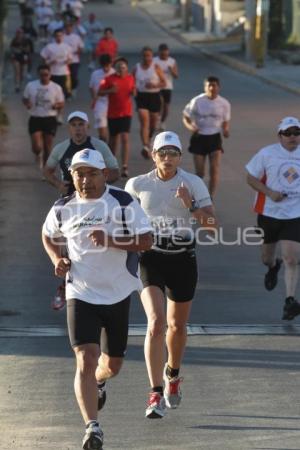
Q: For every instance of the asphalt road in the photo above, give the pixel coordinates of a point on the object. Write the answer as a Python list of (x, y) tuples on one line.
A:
[(240, 391)]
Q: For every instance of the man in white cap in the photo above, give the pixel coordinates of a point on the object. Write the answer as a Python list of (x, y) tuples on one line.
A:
[(173, 199), (104, 228), (274, 173), (61, 157)]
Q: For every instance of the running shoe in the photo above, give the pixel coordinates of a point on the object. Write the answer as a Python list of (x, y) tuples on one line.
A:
[(101, 395), (291, 309), (146, 152), (93, 438), (272, 275), (59, 300), (124, 173), (172, 392), (156, 406)]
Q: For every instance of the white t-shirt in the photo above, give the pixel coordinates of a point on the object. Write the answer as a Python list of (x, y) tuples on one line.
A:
[(279, 169), (95, 80), (165, 65), (143, 76), (98, 275), (208, 114), (75, 42), (76, 6), (166, 212), (57, 56), (93, 30), (45, 2), (55, 25), (43, 15), (42, 97)]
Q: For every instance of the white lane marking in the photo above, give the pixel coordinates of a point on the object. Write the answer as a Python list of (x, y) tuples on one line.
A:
[(140, 330)]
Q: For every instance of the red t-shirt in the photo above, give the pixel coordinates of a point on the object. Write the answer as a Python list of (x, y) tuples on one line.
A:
[(109, 46), (119, 103)]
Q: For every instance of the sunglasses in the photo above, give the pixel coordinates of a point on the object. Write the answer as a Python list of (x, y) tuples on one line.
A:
[(169, 152), (290, 133)]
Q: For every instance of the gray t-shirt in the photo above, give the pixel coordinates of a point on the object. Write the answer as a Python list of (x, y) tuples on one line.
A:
[(168, 215), (63, 153)]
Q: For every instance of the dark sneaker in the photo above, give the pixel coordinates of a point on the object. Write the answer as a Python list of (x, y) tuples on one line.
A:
[(272, 275), (93, 438), (101, 395), (156, 406), (291, 309), (172, 392), (146, 152)]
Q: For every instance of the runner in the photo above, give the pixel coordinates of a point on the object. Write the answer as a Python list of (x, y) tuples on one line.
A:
[(169, 67), (173, 199), (149, 79), (55, 24), (107, 44), (274, 172), (207, 115), (61, 157), (30, 34), (44, 99), (76, 43), (58, 55), (101, 271), (120, 88), (93, 29), (19, 52), (100, 103), (63, 152), (44, 15)]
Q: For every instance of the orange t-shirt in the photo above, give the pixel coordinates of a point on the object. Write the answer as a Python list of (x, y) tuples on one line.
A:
[(119, 103), (109, 46)]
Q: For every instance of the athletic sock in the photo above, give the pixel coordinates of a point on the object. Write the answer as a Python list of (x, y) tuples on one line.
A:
[(171, 373), (93, 423), (158, 389)]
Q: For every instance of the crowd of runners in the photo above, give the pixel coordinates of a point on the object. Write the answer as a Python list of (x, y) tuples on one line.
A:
[(95, 231)]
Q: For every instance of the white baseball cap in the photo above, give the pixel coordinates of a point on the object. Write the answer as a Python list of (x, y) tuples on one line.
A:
[(288, 122), (78, 115), (166, 138), (87, 157)]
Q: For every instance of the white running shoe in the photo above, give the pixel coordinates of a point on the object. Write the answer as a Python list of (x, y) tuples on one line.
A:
[(156, 406), (93, 438), (172, 391)]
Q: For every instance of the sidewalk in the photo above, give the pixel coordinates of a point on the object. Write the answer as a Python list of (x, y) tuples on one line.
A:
[(226, 51)]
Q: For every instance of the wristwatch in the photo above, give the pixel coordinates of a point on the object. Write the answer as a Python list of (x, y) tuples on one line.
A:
[(193, 206)]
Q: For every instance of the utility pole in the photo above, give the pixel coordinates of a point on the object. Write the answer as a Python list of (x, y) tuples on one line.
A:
[(256, 30), (217, 17), (249, 27), (261, 31), (185, 14)]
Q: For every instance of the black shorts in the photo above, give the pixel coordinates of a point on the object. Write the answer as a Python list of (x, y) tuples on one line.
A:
[(22, 58), (174, 273), (119, 125), (166, 95), (279, 229), (148, 100), (202, 144), (61, 80), (105, 325), (47, 125)]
